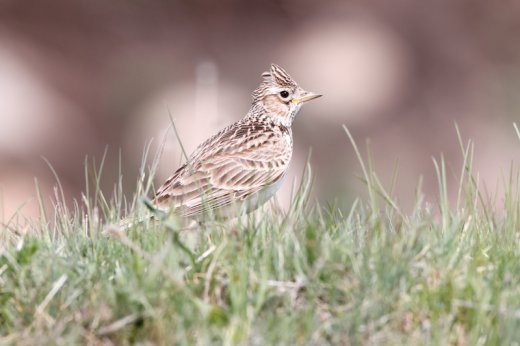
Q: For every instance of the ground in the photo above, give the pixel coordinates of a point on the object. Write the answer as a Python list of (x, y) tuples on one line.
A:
[(440, 274)]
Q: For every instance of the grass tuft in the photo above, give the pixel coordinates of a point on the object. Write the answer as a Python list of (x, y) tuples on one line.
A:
[(441, 274)]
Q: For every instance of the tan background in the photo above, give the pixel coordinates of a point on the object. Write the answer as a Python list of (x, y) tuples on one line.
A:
[(76, 76)]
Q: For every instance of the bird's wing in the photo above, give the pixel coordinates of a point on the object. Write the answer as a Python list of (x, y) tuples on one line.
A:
[(236, 163)]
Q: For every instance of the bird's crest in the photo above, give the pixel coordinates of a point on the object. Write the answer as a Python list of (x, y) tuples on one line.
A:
[(275, 77), (278, 76)]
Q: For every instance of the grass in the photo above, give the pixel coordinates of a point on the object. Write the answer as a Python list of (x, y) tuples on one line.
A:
[(440, 274)]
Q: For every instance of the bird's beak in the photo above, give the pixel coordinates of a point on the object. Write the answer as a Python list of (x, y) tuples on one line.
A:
[(306, 96)]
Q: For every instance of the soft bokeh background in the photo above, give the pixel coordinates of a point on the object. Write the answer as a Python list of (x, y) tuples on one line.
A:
[(76, 76)]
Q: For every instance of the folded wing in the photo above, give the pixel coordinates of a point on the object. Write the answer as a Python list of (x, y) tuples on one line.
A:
[(237, 163)]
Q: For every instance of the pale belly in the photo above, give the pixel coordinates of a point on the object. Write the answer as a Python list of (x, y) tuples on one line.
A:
[(263, 196), (246, 206)]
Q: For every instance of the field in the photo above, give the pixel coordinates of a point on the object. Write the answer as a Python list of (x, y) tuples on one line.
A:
[(444, 273)]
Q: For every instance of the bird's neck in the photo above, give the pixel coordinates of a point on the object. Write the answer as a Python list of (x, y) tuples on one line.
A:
[(264, 114)]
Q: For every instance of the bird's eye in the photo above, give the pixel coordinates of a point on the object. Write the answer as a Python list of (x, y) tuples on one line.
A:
[(284, 94)]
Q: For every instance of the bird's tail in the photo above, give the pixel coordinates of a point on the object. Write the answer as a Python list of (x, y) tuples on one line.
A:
[(150, 213), (129, 222)]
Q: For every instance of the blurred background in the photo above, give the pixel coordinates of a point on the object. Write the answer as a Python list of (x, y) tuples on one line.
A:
[(78, 76)]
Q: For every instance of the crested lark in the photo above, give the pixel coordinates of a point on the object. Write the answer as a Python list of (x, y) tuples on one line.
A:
[(243, 165)]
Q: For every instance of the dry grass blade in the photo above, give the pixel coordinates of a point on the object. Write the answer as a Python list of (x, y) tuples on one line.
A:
[(117, 325)]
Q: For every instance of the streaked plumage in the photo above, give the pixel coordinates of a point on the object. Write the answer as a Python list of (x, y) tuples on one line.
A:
[(244, 164)]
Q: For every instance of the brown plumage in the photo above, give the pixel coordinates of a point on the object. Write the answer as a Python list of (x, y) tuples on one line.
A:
[(243, 165)]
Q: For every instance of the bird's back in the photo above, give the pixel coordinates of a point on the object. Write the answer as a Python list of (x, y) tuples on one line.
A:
[(239, 167)]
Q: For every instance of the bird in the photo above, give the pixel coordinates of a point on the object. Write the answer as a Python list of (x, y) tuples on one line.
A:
[(242, 166)]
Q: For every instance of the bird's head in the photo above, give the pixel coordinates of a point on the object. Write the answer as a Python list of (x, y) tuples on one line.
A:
[(281, 96)]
